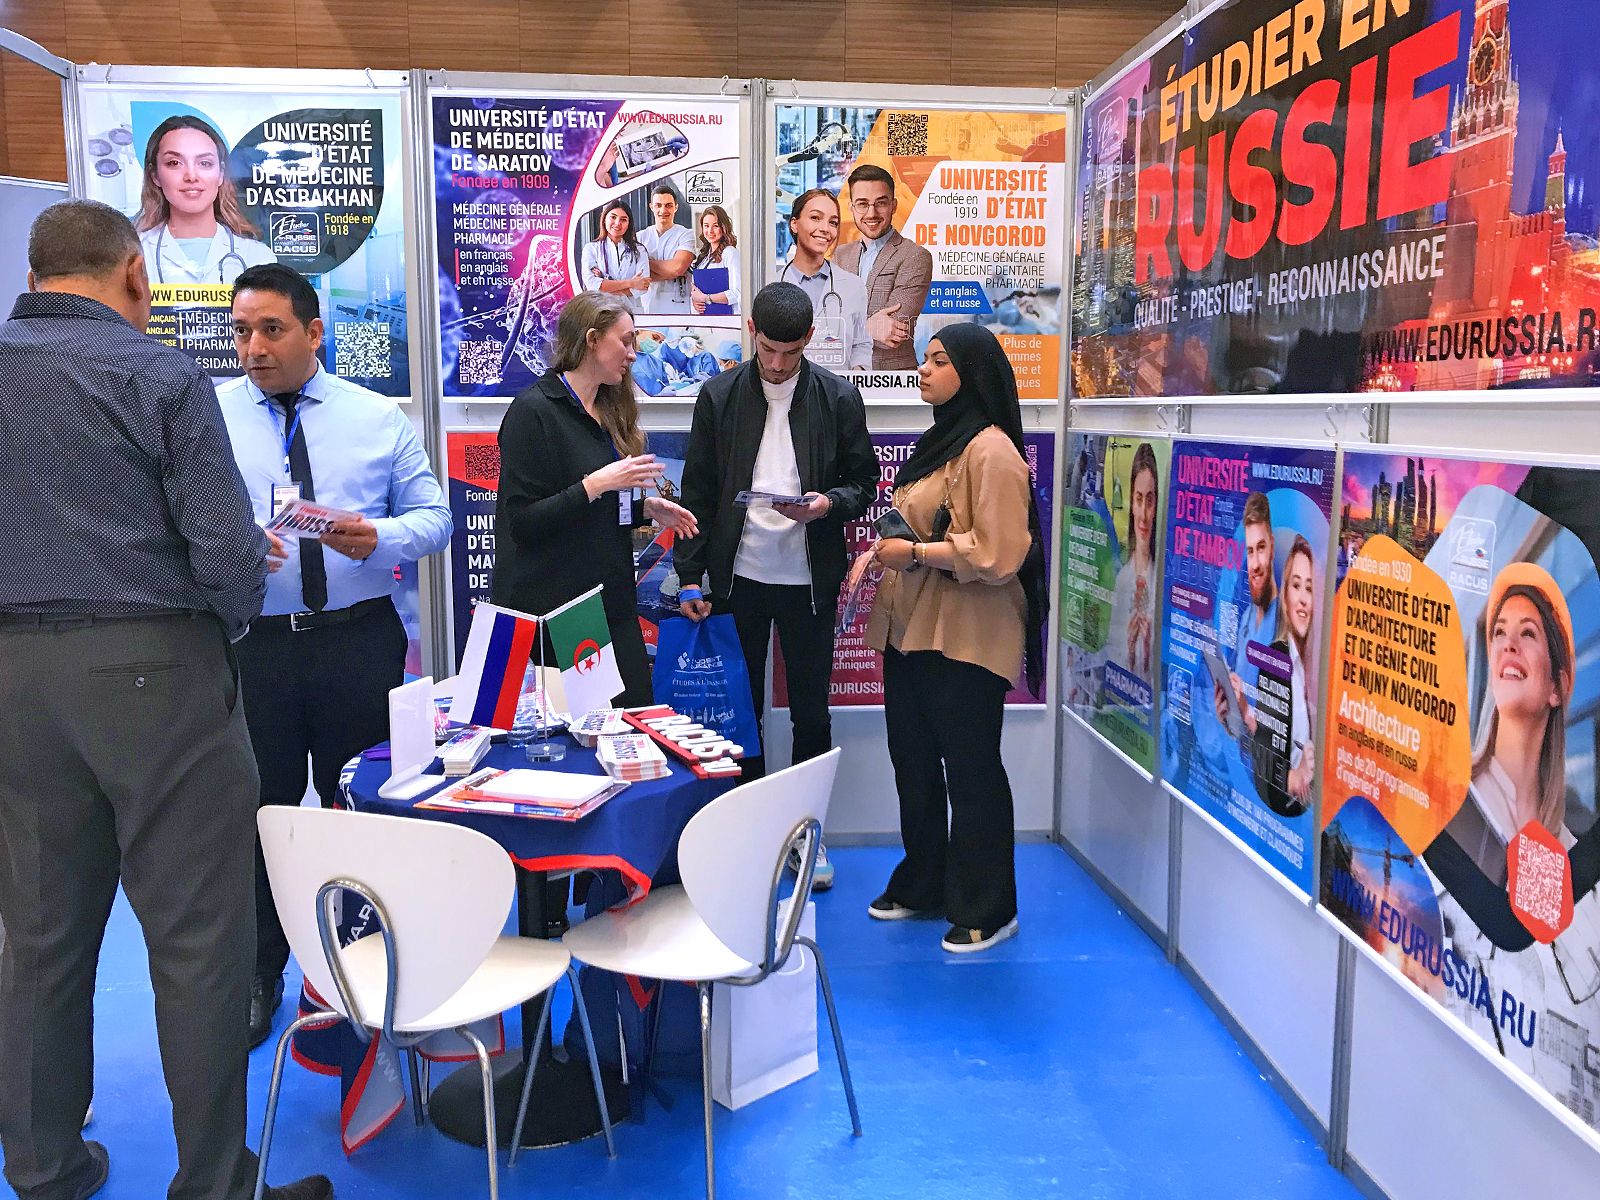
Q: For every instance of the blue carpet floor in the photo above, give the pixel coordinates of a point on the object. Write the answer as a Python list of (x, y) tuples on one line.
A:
[(1070, 1062)]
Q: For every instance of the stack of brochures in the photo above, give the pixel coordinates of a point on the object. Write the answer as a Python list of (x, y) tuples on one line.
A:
[(524, 792), (632, 756), (588, 729)]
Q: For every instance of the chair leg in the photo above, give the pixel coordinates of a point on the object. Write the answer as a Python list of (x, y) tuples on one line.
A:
[(838, 1036), (594, 1061), (316, 1018), (416, 1084), (705, 1086), (528, 1068), (490, 1133)]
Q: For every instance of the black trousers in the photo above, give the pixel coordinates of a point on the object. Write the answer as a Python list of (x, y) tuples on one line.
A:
[(807, 641), (943, 721), (321, 694), (633, 661), (123, 754)]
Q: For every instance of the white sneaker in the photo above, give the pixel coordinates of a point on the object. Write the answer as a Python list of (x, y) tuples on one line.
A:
[(822, 877)]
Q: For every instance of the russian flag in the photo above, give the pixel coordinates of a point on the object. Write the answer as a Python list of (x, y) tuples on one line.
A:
[(493, 666)]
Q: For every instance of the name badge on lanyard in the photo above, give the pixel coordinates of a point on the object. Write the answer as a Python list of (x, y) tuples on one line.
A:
[(284, 493), (625, 507)]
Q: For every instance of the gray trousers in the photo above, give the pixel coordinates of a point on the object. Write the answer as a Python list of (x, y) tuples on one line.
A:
[(123, 754)]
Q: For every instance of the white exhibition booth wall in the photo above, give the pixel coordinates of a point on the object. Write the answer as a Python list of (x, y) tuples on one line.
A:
[(451, 321), (1408, 1102)]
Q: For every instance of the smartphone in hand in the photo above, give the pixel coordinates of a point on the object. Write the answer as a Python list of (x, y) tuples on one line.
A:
[(893, 525)]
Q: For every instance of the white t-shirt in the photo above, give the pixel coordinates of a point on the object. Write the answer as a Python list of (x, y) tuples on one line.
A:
[(667, 295), (773, 548)]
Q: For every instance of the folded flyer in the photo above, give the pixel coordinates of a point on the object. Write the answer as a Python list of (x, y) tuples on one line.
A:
[(302, 518), (766, 499)]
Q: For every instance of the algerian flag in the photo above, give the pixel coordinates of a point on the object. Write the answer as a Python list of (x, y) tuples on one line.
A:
[(580, 639)]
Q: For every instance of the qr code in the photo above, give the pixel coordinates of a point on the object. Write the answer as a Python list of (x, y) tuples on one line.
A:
[(479, 361), (908, 134), (483, 462), (1540, 876), (361, 349)]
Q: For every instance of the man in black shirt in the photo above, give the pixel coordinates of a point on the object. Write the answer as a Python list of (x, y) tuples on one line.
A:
[(782, 425), (132, 564)]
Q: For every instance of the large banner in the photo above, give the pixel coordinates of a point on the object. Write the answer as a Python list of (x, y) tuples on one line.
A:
[(958, 217), (1247, 542), (1343, 195), (858, 668), (1460, 839), (1112, 529), (537, 199), (474, 479), (217, 179)]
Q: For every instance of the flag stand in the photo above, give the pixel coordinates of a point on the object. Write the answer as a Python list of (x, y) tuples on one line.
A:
[(543, 748)]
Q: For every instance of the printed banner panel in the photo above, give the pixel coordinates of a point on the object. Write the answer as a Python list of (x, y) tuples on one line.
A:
[(220, 179), (1112, 528), (1459, 831), (857, 667), (537, 200), (1343, 196), (1246, 550), (957, 216)]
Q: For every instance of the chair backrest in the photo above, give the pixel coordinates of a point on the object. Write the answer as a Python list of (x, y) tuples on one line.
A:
[(445, 890), (732, 849)]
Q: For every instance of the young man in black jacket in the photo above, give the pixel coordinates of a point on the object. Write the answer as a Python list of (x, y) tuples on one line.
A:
[(781, 425)]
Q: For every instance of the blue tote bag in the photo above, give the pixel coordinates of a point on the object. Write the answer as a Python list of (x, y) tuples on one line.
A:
[(700, 671)]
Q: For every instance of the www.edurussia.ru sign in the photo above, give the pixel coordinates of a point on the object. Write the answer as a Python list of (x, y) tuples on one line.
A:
[(1343, 196)]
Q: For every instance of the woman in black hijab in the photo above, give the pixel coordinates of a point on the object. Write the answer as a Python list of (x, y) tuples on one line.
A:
[(959, 613)]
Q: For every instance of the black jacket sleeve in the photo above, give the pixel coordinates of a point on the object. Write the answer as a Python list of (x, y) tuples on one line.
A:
[(858, 465), (537, 490), (701, 492)]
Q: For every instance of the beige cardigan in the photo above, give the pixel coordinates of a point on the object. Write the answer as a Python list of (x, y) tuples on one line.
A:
[(978, 616)]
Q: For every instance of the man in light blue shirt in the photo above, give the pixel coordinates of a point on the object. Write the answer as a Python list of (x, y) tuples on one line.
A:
[(317, 666)]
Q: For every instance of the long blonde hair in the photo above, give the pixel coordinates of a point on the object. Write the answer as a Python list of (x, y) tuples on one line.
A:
[(153, 207), (615, 405), (1552, 800)]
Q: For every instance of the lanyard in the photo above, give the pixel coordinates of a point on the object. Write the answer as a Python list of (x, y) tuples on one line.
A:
[(615, 453), (290, 429)]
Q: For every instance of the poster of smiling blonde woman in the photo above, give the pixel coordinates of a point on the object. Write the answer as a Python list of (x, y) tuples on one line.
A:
[(217, 179), (899, 221), (1459, 832)]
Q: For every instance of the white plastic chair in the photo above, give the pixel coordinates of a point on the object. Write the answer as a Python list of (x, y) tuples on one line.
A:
[(440, 894), (725, 924)]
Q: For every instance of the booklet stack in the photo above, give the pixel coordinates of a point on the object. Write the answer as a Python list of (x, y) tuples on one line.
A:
[(632, 756), (549, 795), (589, 728)]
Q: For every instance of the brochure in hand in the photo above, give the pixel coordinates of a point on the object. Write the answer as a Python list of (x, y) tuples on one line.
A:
[(301, 518), (766, 499)]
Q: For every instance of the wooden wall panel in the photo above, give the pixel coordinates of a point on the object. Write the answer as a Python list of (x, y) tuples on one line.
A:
[(1093, 34), (670, 37), (1003, 42), (344, 33), (783, 40), (1032, 43), (465, 35), (554, 43), (898, 41)]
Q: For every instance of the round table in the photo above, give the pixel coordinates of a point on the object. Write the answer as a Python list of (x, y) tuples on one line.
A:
[(635, 834)]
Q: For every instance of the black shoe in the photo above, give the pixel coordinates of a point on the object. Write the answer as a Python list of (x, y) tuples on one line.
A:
[(312, 1187), (964, 940), (102, 1165), (886, 908), (265, 996)]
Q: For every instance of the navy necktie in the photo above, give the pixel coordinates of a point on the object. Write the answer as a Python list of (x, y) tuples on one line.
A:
[(313, 571)]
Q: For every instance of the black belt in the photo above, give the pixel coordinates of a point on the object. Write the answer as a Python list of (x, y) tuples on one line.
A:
[(300, 622), (40, 619)]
